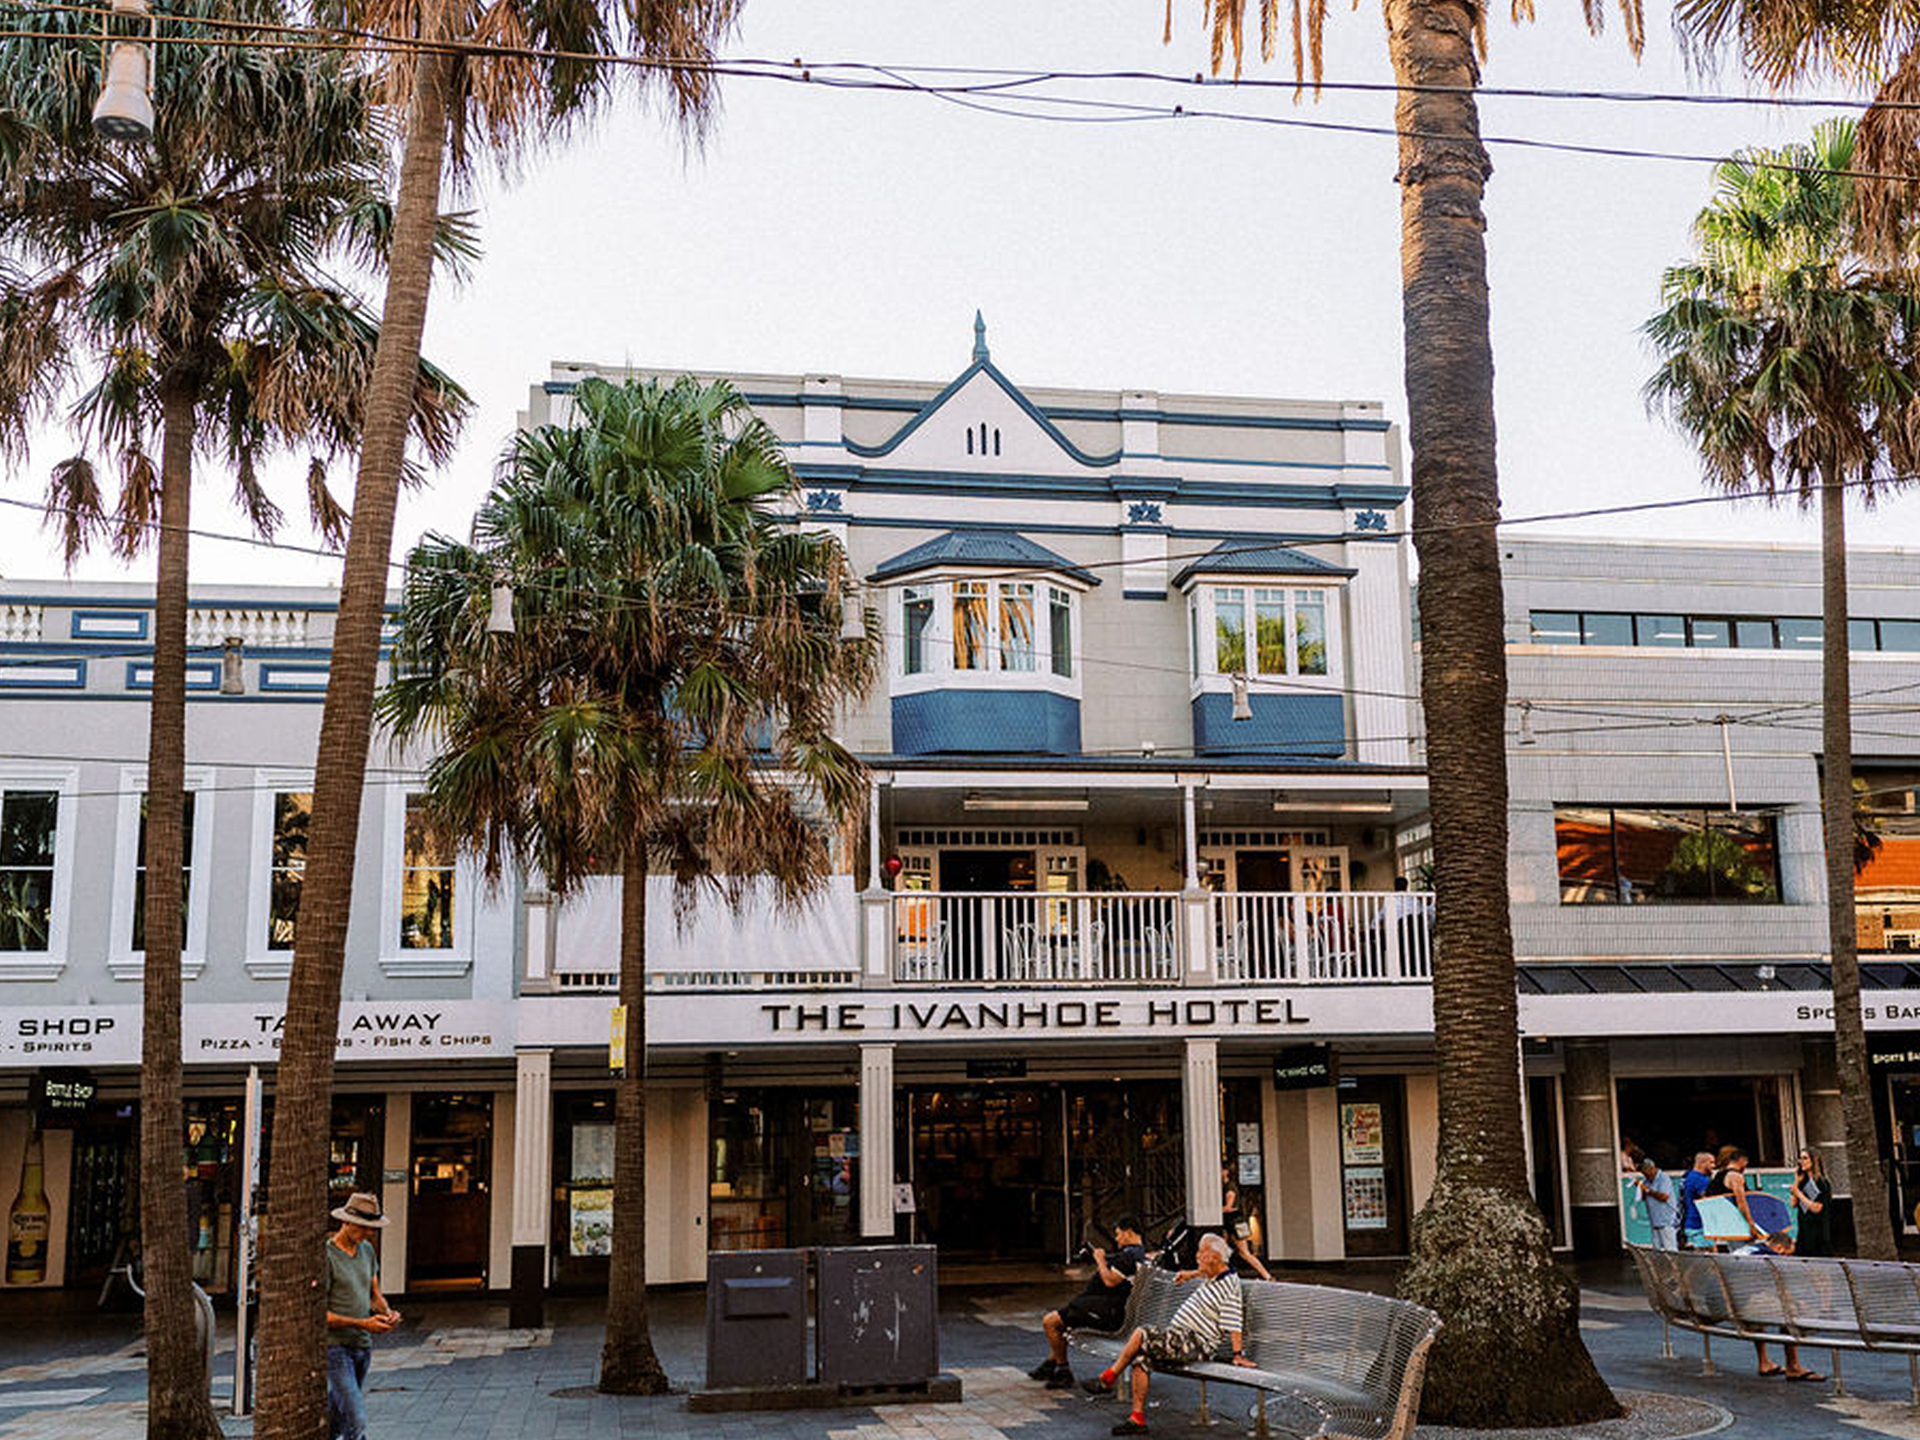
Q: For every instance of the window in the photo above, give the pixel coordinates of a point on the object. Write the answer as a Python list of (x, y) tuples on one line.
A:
[(1709, 634), (1060, 636), (1556, 627), (1900, 635), (1606, 630), (28, 820), (917, 615), (1230, 631), (1661, 630), (1674, 856), (1860, 635), (426, 882), (1270, 631), (292, 812), (1018, 646), (1799, 634), (970, 625), (1753, 634), (1309, 634), (140, 873)]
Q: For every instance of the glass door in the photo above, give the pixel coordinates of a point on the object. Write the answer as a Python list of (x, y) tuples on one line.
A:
[(452, 1165)]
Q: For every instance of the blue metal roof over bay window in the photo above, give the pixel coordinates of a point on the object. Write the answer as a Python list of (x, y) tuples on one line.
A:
[(1242, 557), (980, 547)]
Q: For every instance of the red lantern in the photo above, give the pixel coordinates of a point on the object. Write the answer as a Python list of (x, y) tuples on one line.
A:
[(892, 865)]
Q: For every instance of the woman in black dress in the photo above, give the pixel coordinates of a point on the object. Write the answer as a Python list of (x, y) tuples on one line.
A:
[(1812, 1195)]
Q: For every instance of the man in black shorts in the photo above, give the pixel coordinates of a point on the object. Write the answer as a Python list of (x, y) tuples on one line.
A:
[(1101, 1306)]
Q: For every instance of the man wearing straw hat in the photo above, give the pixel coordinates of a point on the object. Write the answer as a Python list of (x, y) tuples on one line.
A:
[(356, 1312)]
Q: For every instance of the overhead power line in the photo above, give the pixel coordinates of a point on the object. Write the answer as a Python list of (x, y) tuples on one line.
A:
[(977, 94)]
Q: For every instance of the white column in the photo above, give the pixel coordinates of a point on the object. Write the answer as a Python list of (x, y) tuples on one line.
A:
[(876, 1142), (1200, 1097), (873, 834), (1193, 838), (532, 1146), (396, 1159)]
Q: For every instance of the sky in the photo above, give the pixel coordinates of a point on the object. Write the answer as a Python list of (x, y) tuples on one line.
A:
[(856, 232)]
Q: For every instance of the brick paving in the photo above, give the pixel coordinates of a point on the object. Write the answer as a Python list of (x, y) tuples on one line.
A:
[(456, 1370)]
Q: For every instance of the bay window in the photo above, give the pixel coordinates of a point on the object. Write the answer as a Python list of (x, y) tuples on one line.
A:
[(1260, 630), (987, 628)]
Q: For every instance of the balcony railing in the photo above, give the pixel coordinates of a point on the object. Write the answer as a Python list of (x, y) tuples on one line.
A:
[(1044, 938), (1078, 937), (1337, 937)]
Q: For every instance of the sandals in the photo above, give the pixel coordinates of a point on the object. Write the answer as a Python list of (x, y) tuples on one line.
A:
[(1808, 1375), (1773, 1372)]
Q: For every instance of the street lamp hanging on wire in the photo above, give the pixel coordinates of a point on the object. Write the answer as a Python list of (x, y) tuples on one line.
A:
[(124, 110)]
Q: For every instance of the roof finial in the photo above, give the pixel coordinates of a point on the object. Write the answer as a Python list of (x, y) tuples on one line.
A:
[(979, 337)]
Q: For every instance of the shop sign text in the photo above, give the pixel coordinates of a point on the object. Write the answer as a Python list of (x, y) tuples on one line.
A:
[(975, 1016)]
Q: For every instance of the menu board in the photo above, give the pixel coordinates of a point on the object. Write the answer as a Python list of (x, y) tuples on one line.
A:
[(1365, 1195)]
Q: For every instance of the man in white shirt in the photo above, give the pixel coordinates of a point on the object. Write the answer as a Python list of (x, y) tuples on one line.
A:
[(1192, 1334)]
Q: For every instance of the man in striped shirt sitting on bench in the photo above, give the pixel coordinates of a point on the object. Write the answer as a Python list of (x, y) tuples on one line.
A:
[(1192, 1335)]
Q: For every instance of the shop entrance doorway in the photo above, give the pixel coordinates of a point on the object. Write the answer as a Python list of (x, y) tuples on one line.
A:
[(988, 1178), (1125, 1155), (1903, 1092), (449, 1214), (1373, 1165)]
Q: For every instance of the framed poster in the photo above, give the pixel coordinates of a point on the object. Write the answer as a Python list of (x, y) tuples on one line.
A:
[(1364, 1191), (590, 1222), (1363, 1138), (1248, 1168)]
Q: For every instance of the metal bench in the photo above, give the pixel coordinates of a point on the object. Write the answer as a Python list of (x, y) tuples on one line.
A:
[(1339, 1364), (1828, 1304)]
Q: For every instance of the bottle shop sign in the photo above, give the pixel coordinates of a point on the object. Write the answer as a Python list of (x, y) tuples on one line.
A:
[(57, 1096)]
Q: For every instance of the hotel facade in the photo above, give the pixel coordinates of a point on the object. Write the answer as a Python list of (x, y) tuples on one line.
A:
[(1147, 768)]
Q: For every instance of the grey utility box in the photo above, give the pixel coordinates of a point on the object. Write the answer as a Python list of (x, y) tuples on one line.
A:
[(756, 1318), (879, 1320)]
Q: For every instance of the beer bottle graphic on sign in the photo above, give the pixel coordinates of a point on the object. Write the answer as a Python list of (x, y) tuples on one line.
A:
[(29, 1218)]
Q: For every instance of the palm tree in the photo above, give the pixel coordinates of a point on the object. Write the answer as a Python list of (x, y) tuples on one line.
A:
[(182, 289), (1794, 365), (667, 698), (1875, 42), (451, 103), (1510, 1353)]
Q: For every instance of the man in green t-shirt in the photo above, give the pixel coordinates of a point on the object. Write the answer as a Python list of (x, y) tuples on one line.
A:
[(356, 1312)]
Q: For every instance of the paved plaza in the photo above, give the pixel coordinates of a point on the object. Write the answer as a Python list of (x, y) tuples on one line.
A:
[(456, 1370)]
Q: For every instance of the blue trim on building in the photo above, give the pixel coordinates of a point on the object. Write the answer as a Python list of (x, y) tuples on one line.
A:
[(109, 624), (201, 675), (1289, 725), (75, 677), (1143, 594), (1062, 487), (270, 681), (991, 722)]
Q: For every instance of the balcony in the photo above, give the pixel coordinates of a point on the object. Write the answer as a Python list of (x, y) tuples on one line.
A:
[(1103, 938)]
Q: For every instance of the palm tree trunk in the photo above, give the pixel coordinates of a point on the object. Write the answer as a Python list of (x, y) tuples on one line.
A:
[(628, 1365), (1872, 1213), (178, 1407), (292, 1354), (1511, 1353)]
